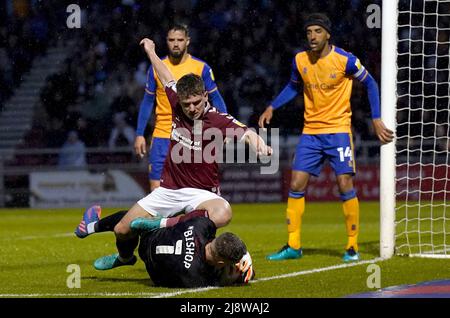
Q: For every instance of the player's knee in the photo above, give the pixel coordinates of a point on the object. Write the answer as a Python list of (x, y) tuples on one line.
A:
[(122, 230), (299, 181), (345, 183), (221, 215), (297, 185)]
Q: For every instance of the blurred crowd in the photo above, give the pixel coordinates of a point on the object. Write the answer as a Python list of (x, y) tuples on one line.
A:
[(249, 44), (25, 33)]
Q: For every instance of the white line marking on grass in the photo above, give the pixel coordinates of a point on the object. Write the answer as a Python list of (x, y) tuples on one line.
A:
[(318, 270), (199, 290), (185, 291), (35, 237), (307, 272), (77, 294)]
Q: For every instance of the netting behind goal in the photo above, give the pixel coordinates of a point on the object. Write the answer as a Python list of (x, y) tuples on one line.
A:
[(422, 221)]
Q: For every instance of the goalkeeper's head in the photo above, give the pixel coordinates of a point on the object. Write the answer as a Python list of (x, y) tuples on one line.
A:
[(227, 248), (318, 31)]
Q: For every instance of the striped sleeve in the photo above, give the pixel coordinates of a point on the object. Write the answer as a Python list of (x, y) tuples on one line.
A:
[(354, 68)]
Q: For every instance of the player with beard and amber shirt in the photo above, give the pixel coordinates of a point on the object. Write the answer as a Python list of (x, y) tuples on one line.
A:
[(180, 63)]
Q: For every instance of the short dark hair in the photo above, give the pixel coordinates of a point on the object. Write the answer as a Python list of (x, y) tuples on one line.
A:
[(190, 85), (229, 247), (179, 27), (318, 19)]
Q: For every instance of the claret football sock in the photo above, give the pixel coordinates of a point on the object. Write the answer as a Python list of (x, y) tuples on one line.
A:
[(140, 225), (169, 222)]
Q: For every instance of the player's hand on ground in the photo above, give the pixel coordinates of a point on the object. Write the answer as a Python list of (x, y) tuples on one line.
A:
[(265, 117), (384, 134), (140, 146), (148, 45)]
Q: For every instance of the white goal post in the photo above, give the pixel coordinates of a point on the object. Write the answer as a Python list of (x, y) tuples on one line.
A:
[(415, 101)]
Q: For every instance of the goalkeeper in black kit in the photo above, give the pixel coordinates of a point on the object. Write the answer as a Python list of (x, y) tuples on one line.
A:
[(189, 255)]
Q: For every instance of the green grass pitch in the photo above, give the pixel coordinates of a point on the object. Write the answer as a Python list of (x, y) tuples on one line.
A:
[(37, 246)]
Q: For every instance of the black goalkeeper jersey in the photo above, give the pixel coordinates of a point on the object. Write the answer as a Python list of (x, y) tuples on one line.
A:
[(175, 256)]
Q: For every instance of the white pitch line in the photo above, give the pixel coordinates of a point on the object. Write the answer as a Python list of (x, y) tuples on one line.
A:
[(76, 294), (200, 290), (307, 272), (185, 291), (35, 237), (318, 270)]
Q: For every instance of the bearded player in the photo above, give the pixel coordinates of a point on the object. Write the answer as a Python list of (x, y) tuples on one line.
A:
[(180, 63)]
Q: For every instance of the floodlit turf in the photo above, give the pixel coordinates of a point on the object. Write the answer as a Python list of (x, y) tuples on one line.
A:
[(36, 248)]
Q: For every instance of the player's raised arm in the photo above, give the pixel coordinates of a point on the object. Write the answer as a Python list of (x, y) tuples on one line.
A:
[(161, 69)]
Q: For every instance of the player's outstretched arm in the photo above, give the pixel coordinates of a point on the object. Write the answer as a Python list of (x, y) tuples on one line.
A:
[(384, 134), (257, 143), (161, 69)]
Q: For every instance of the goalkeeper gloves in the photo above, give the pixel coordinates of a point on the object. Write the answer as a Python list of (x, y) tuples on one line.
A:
[(245, 266)]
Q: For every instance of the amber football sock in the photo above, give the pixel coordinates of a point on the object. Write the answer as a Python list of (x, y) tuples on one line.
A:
[(351, 213), (294, 212)]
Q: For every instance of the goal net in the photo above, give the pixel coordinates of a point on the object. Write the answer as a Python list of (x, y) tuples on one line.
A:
[(422, 171)]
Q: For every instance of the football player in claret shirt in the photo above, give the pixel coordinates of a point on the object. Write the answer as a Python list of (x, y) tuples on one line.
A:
[(180, 63), (327, 73), (190, 180)]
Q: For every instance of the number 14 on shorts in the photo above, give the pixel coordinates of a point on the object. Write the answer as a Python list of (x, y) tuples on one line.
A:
[(345, 154)]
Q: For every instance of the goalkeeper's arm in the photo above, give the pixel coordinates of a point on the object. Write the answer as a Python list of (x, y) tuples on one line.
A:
[(161, 69)]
